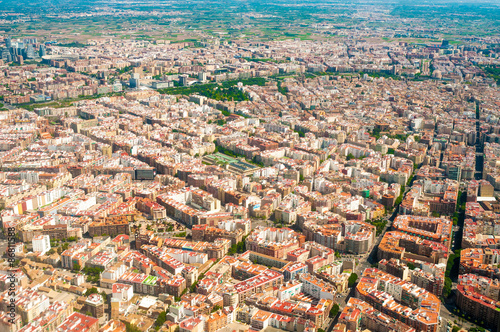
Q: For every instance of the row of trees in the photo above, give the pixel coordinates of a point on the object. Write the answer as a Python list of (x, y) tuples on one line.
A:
[(283, 91), (351, 156), (300, 132)]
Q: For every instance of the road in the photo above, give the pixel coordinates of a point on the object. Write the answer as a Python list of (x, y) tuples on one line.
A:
[(365, 260)]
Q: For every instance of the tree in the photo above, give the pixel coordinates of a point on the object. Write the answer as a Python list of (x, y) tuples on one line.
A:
[(334, 310), (76, 267), (352, 279), (238, 248), (192, 288), (447, 287), (376, 133), (411, 266), (131, 328), (93, 273), (455, 329), (216, 308), (91, 291), (350, 156), (162, 318), (88, 313)]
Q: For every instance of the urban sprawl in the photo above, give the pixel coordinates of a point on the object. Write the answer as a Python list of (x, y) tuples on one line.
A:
[(303, 185)]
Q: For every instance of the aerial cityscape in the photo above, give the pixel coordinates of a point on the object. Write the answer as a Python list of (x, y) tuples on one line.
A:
[(243, 165)]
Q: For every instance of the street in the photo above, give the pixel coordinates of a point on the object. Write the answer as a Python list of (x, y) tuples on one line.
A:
[(364, 261)]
